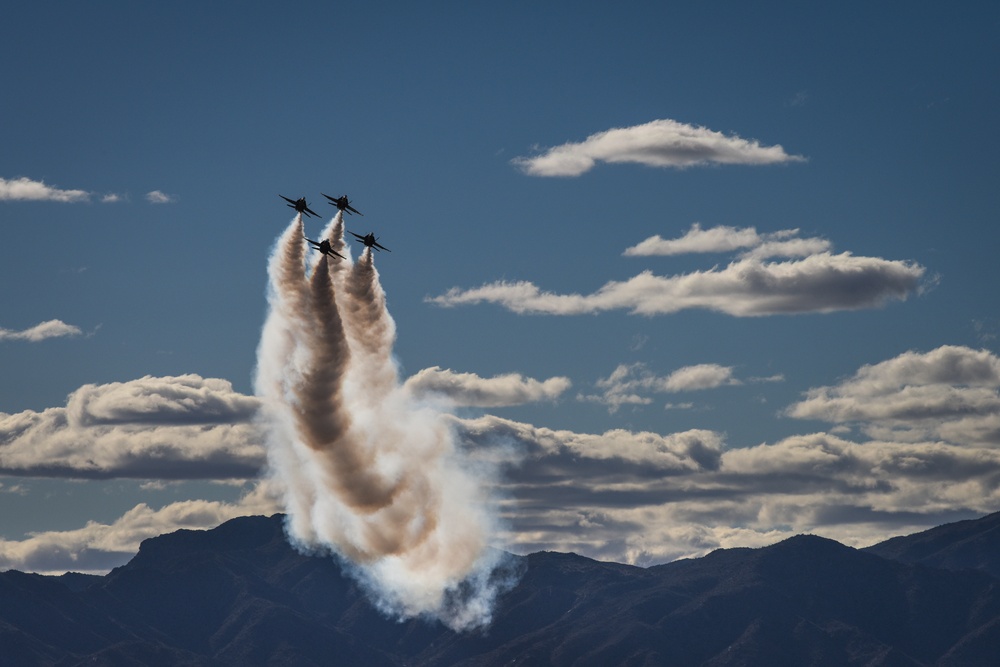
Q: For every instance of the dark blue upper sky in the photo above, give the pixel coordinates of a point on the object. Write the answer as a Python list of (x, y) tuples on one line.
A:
[(418, 112)]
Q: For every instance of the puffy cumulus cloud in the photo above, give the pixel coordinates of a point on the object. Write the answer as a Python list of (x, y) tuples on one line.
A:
[(25, 189), (949, 393), (40, 332), (184, 399), (660, 143), (157, 197), (99, 547), (629, 382), (647, 498), (748, 287), (783, 243), (469, 389), (184, 427)]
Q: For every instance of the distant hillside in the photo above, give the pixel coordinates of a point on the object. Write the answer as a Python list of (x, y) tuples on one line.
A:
[(239, 595), (973, 545)]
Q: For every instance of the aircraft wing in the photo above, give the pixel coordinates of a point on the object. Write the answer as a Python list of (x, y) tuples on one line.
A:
[(309, 210), (334, 252), (313, 242), (351, 208), (357, 236), (290, 201), (382, 247)]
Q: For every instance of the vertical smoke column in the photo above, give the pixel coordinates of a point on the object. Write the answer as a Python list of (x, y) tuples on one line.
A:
[(322, 418), (367, 472), (279, 365), (370, 325)]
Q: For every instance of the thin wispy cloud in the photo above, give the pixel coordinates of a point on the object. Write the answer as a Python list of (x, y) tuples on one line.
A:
[(722, 239), (40, 332), (25, 189), (471, 390), (631, 384), (659, 143), (157, 197), (748, 287)]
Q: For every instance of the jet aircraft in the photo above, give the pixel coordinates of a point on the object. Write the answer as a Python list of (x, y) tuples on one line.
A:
[(370, 241), (299, 205), (343, 204), (324, 247)]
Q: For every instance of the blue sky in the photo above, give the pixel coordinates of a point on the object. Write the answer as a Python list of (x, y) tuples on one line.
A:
[(844, 383)]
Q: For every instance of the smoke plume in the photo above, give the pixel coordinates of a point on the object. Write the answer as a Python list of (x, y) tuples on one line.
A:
[(367, 472)]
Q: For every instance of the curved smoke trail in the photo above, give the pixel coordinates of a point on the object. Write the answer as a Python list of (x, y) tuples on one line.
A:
[(367, 473)]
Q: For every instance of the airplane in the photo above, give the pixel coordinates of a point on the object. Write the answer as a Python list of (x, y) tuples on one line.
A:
[(299, 205), (370, 241), (342, 203), (324, 247)]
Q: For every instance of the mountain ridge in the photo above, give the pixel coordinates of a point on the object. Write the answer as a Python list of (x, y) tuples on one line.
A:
[(240, 594)]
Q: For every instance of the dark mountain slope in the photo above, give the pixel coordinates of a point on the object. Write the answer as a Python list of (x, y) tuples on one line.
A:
[(973, 545)]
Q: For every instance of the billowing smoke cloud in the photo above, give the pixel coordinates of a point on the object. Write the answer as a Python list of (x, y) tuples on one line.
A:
[(368, 472)]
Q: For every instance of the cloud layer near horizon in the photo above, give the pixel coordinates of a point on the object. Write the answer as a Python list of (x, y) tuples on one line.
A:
[(99, 547), (184, 427), (659, 143), (927, 453)]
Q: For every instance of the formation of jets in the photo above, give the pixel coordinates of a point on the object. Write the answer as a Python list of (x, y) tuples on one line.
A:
[(343, 204)]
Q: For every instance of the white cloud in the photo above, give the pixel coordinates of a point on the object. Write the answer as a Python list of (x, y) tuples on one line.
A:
[(698, 377), (469, 389), (783, 243), (748, 287), (157, 197), (697, 240), (184, 427), (25, 189), (627, 384), (98, 547), (659, 143), (40, 332), (112, 198), (949, 393)]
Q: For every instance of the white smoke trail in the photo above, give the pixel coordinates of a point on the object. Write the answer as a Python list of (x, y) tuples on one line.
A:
[(367, 472)]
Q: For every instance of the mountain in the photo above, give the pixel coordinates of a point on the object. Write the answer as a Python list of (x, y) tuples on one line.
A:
[(972, 545), (240, 595)]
